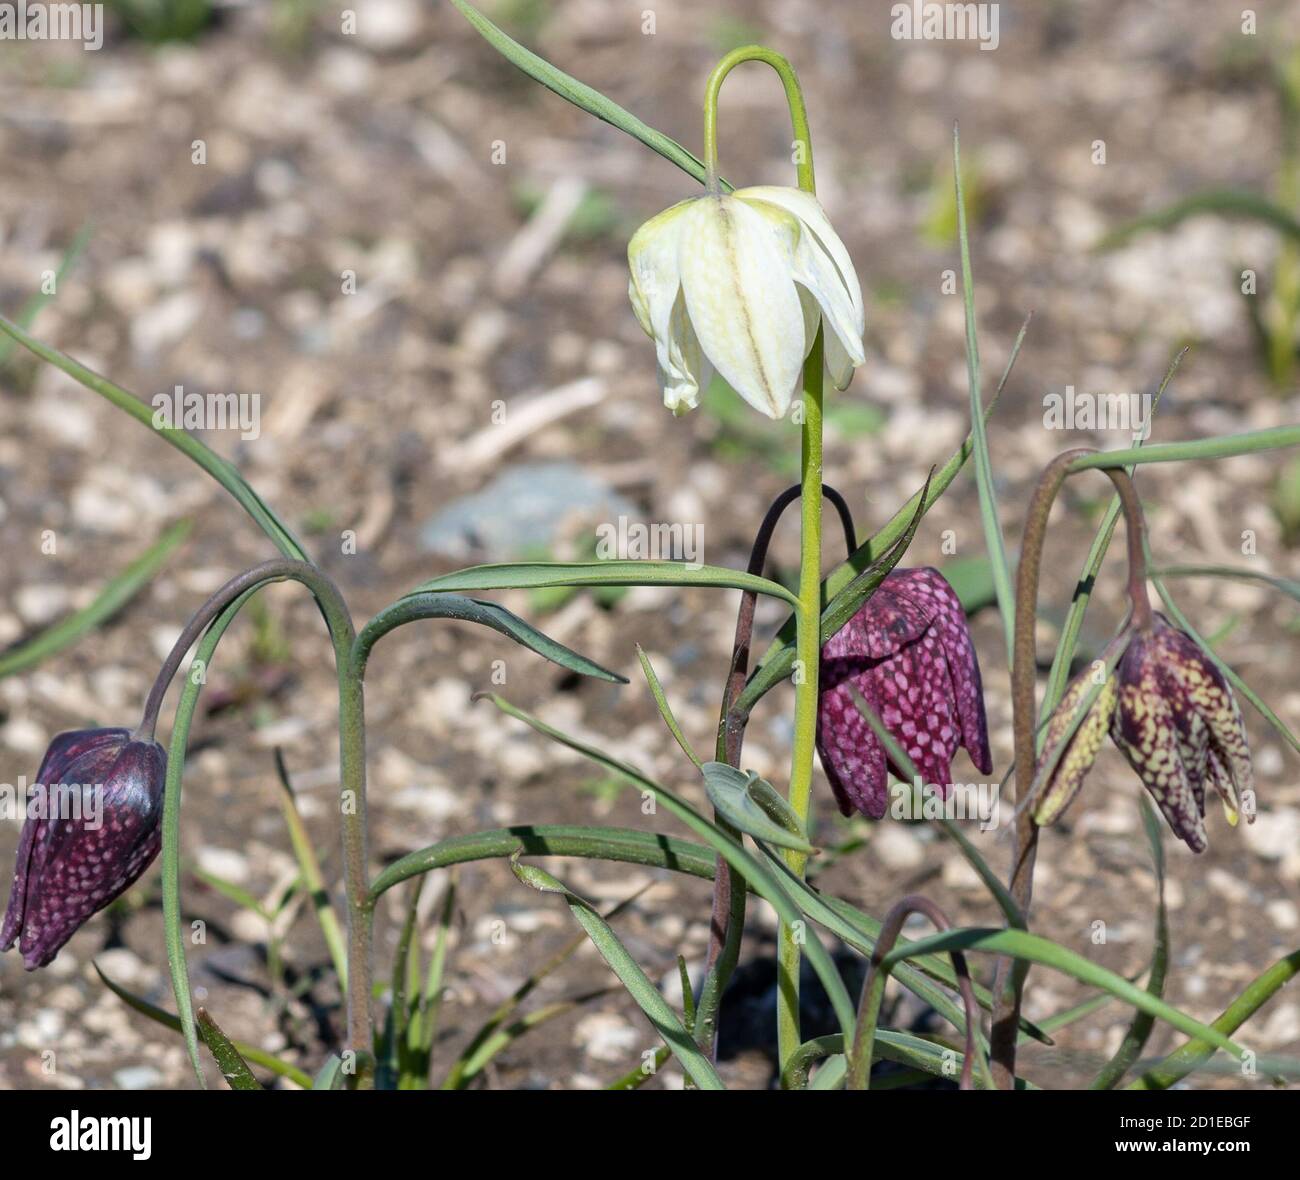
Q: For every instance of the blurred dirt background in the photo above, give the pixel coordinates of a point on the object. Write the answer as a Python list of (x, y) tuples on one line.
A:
[(394, 233)]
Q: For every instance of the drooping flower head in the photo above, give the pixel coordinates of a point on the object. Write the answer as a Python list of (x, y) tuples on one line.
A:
[(908, 651), (739, 283), (1174, 716), (94, 828)]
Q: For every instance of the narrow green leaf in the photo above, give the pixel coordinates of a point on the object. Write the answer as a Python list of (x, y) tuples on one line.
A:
[(1227, 446), (993, 540), (111, 599), (1139, 1031), (1288, 586), (763, 880), (656, 1008), (1232, 203), (899, 757), (419, 605), (1059, 676), (233, 1067), (753, 806), (1032, 948), (537, 575), (1198, 1051), (330, 1075), (665, 709), (232, 892), (226, 474), (312, 877), (251, 1053), (32, 308), (580, 95), (173, 921), (627, 845)]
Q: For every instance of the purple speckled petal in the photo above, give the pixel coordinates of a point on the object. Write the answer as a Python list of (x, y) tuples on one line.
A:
[(909, 652), (1147, 728), (76, 858), (930, 590), (850, 752)]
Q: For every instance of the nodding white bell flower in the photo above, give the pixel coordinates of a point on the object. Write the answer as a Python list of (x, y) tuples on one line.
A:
[(740, 283)]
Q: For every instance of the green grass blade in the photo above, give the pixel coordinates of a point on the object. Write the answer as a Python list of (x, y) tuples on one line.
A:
[(32, 308), (173, 921), (764, 882), (1139, 1031), (420, 605), (1198, 1051), (1232, 203), (657, 1010), (226, 474), (665, 709), (993, 540), (580, 95), (627, 845), (1032, 948), (312, 877), (251, 1053), (232, 1065), (111, 599), (539, 575), (1225, 446)]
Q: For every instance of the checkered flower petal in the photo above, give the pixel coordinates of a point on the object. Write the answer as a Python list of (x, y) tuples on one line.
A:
[(908, 652), (1078, 756)]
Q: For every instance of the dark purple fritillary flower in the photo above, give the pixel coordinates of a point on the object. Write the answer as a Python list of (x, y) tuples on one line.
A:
[(1178, 724), (908, 651), (96, 830)]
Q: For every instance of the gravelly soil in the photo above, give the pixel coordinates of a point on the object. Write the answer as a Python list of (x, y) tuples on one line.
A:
[(380, 155)]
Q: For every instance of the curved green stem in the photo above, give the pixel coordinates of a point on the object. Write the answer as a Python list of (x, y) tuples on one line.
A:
[(1011, 975), (807, 664), (873, 992), (210, 622), (793, 97), (808, 609)]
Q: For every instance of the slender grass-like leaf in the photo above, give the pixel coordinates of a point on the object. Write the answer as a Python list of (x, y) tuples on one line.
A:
[(897, 755), (1198, 1051), (419, 605), (32, 308), (173, 922), (580, 95), (665, 709), (258, 1057), (111, 599), (312, 877), (1232, 203), (1033, 948), (1064, 656), (634, 979), (993, 540), (233, 1067), (1139, 1031), (538, 575), (1288, 586), (753, 806), (500, 1031), (226, 474), (628, 845), (763, 880), (1226, 446)]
